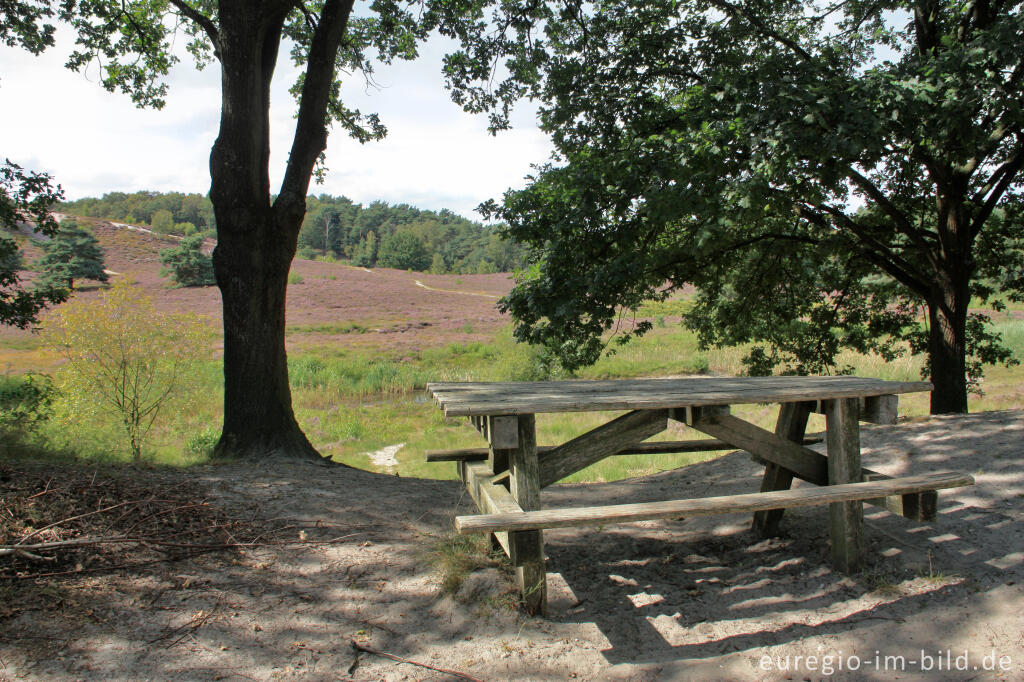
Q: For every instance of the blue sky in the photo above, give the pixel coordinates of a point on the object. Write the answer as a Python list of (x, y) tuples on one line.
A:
[(92, 141)]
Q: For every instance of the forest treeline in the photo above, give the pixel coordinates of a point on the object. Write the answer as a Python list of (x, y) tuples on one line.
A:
[(376, 235)]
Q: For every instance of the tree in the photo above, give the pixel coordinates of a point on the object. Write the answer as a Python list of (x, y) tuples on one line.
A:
[(366, 252), (256, 230), (25, 199), (187, 265), (403, 251), (72, 254), (162, 221), (124, 355), (820, 171)]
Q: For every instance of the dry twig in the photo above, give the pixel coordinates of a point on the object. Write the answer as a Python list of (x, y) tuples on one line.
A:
[(370, 650)]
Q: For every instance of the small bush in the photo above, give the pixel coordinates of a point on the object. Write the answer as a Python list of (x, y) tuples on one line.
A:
[(25, 401), (295, 278), (201, 445), (187, 265), (126, 361)]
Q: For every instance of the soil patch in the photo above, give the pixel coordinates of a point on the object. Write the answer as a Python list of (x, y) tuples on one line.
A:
[(680, 599)]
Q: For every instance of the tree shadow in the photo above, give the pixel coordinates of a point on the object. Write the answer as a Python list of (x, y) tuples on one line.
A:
[(706, 587)]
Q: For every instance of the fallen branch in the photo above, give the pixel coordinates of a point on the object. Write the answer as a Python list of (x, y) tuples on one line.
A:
[(72, 518), (85, 542), (375, 652)]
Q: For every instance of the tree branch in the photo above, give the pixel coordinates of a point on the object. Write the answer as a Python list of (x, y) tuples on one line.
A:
[(311, 129), (199, 18), (872, 249), (902, 222), (1006, 173), (757, 23)]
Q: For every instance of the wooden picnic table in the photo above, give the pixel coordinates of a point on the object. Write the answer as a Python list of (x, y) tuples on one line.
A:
[(506, 477)]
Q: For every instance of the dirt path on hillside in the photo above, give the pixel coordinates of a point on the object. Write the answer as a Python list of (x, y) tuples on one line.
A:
[(685, 599)]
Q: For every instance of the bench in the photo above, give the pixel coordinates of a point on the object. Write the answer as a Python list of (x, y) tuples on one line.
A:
[(705, 506), (506, 478)]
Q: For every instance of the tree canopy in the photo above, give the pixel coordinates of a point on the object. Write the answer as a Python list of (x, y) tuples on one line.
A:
[(257, 229), (819, 171), (25, 201)]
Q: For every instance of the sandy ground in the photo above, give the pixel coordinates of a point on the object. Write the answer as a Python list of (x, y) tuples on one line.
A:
[(685, 599)]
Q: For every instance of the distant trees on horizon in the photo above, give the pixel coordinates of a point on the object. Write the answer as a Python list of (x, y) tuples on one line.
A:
[(377, 235)]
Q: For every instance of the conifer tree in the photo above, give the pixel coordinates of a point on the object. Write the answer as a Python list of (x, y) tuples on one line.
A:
[(72, 254)]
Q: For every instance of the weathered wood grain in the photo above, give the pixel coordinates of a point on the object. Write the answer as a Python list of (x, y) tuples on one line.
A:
[(527, 545), (708, 506), (764, 444), (846, 518), (604, 441), (790, 425), (489, 498), (507, 398), (660, 447)]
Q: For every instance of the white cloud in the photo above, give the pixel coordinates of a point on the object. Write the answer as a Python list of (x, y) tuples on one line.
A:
[(435, 156)]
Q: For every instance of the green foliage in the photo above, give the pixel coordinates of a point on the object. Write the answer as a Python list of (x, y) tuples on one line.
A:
[(819, 172), (143, 207), (403, 251), (72, 254), (162, 221), (26, 401), (295, 278), (125, 360), (187, 265), (200, 446), (452, 243), (25, 198)]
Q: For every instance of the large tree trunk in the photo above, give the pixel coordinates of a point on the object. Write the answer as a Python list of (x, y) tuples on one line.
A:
[(258, 417), (256, 242), (947, 342)]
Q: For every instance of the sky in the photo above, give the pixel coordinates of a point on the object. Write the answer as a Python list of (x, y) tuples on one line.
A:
[(435, 156)]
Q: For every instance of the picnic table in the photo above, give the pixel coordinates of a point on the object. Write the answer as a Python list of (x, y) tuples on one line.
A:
[(506, 477)]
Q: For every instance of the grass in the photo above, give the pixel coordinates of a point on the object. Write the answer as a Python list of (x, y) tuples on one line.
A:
[(351, 403), (455, 556)]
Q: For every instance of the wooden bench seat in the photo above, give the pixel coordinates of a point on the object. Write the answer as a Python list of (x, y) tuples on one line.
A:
[(752, 502)]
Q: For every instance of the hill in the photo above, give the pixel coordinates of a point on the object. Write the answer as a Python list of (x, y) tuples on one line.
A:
[(377, 235), (394, 312)]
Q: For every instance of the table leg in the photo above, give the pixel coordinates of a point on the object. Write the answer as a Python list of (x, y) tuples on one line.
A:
[(791, 425), (846, 518), (524, 485)]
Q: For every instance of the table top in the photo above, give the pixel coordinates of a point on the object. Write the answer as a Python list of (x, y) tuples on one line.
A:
[(533, 397)]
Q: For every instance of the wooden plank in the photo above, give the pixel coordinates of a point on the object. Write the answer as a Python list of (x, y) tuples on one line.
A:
[(750, 502), (790, 425), (802, 461), (660, 447), (604, 441), (846, 518), (880, 409), (527, 546), (921, 506), (490, 498), (502, 438), (508, 398), (502, 432)]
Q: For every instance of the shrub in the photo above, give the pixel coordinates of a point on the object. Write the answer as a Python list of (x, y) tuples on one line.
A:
[(25, 401), (187, 265), (201, 444), (295, 278), (125, 357)]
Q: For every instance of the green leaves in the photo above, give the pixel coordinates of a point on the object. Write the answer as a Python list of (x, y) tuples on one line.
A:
[(818, 172), (25, 199)]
